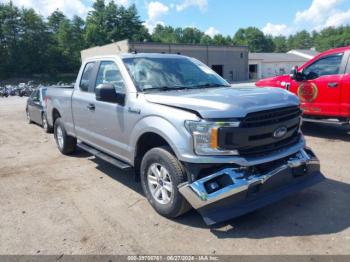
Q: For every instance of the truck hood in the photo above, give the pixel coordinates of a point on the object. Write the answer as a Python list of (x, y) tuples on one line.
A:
[(276, 81), (230, 102)]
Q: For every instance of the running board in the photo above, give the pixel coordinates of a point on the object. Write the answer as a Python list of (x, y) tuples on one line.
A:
[(118, 163), (326, 121)]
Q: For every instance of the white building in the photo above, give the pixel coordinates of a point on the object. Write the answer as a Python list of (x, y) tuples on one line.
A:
[(263, 65)]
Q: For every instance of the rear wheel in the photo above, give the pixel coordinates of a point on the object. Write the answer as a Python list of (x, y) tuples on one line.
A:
[(65, 143), (161, 173)]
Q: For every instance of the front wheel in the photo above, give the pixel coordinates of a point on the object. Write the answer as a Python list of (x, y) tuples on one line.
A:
[(161, 173), (65, 143)]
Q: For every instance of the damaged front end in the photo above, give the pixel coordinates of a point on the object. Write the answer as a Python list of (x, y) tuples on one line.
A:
[(232, 192)]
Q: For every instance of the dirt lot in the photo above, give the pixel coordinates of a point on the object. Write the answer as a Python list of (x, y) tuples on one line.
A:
[(54, 204)]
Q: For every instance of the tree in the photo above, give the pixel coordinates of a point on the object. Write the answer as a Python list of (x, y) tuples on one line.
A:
[(32, 43), (191, 35), (269, 44), (301, 40), (254, 39), (332, 37), (110, 23), (206, 40), (130, 25), (95, 25), (280, 43), (167, 34), (55, 19), (10, 27), (219, 39)]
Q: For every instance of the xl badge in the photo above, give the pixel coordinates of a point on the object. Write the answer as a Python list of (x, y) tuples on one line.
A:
[(280, 132)]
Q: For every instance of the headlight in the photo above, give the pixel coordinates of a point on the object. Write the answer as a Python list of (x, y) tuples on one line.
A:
[(205, 137)]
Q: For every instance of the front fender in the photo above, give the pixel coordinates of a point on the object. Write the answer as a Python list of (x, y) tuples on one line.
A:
[(176, 136)]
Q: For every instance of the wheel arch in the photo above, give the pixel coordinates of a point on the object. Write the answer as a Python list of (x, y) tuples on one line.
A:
[(55, 115), (145, 142)]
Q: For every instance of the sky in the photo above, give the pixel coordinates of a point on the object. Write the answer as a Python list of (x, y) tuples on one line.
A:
[(275, 17)]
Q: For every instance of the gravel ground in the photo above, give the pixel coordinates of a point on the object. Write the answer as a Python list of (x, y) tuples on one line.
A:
[(55, 204)]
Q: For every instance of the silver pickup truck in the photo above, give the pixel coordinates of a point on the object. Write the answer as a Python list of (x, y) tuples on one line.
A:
[(192, 139)]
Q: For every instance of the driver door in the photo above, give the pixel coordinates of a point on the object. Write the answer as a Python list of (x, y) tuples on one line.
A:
[(320, 92), (109, 128)]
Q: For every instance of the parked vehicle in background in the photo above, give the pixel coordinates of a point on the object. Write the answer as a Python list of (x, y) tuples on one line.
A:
[(322, 84), (26, 89), (11, 90), (191, 138), (35, 108), (4, 92)]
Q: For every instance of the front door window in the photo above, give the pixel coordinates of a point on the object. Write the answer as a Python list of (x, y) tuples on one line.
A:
[(329, 65)]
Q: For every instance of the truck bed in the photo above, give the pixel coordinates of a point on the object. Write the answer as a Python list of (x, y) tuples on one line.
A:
[(59, 97)]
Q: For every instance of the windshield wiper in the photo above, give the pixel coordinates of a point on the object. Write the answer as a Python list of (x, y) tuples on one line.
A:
[(211, 85), (165, 88), (170, 88)]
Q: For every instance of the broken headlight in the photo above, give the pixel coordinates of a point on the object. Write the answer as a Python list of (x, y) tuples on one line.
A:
[(205, 137)]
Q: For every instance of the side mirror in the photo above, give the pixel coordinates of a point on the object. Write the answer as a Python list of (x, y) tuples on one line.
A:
[(107, 93), (295, 74)]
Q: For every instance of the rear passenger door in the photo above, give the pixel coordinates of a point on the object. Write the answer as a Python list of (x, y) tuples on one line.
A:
[(83, 103), (109, 118)]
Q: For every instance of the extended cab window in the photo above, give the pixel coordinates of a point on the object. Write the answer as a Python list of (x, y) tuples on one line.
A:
[(35, 95), (86, 77), (329, 65), (108, 73)]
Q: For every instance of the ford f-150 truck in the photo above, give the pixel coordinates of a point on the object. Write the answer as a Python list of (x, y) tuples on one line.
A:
[(322, 84), (193, 140)]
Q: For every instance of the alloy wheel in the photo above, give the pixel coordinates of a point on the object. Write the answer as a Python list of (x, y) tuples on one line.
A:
[(59, 136), (159, 183)]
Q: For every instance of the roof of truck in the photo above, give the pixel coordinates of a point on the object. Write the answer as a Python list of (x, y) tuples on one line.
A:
[(151, 55), (336, 50), (138, 55)]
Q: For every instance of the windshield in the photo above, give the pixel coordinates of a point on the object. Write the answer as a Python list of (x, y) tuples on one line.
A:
[(171, 73)]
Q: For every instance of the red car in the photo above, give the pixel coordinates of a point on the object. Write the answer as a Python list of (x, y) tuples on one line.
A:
[(322, 84)]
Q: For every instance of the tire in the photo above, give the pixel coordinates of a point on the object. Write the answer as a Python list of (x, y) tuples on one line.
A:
[(65, 143), (173, 204), (44, 124), (29, 121)]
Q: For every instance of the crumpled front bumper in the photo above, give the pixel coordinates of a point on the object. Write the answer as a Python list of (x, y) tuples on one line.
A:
[(238, 191)]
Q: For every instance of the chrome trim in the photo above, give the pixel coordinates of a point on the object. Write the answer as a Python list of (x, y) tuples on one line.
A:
[(244, 161), (327, 121), (198, 197)]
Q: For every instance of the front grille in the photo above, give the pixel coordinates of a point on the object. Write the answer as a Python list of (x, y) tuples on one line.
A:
[(255, 135), (270, 117), (269, 148), (267, 135)]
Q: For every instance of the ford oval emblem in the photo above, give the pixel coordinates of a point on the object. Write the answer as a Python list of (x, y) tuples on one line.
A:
[(280, 132)]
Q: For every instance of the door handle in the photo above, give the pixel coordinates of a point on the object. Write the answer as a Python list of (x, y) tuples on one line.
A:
[(91, 107), (333, 84)]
